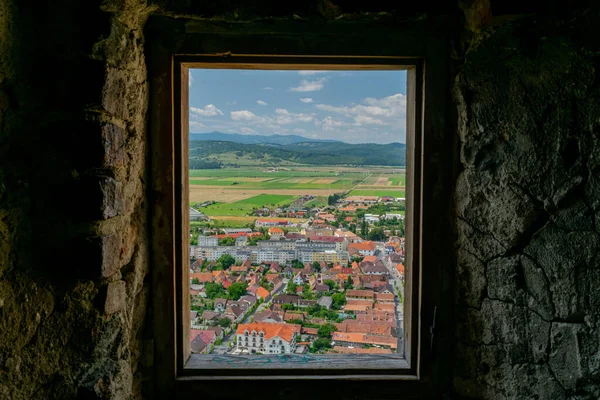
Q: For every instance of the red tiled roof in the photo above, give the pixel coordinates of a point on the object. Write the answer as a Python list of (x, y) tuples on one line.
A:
[(271, 329)]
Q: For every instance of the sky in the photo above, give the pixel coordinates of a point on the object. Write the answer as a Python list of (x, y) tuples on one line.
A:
[(351, 106)]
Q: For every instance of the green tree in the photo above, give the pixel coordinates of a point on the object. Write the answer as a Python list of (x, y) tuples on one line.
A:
[(376, 234), (331, 283), (227, 241), (291, 287), (317, 266), (196, 281), (338, 300), (237, 290), (349, 284), (364, 228), (326, 330), (226, 261), (224, 322), (214, 290), (320, 344)]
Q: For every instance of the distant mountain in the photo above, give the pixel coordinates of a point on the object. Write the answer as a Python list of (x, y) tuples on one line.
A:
[(216, 154), (255, 139)]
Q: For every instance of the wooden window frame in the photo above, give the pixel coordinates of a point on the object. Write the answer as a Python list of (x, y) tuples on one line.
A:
[(194, 44)]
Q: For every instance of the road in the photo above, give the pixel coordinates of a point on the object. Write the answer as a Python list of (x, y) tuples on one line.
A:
[(395, 281)]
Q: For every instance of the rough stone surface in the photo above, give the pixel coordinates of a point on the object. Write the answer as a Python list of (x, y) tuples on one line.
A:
[(116, 297), (74, 289), (72, 200), (527, 208)]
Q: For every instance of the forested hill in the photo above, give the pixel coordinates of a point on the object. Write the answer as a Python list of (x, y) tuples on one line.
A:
[(212, 154)]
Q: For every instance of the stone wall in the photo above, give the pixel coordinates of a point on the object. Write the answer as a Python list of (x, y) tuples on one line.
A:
[(73, 256), (528, 199), (74, 282)]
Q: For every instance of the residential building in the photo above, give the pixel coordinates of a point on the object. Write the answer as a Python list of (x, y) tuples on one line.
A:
[(237, 230), (267, 337), (272, 222), (277, 244), (276, 233), (366, 248), (208, 241), (241, 241)]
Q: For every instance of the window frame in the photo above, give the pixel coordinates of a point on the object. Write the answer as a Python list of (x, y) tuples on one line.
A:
[(169, 60)]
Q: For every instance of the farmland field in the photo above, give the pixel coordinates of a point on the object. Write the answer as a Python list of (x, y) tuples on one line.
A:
[(238, 191), (377, 192), (245, 206)]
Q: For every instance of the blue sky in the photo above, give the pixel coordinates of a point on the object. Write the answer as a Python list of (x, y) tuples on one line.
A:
[(352, 106)]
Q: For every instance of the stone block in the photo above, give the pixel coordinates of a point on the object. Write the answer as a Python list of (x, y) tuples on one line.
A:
[(116, 297), (564, 354)]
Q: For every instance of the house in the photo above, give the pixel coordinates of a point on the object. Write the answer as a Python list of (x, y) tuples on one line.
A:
[(267, 337), (275, 268), (288, 272), (286, 299), (241, 241), (219, 333), (220, 305), (268, 316), (197, 345), (193, 316), (298, 279), (369, 259), (321, 287), (325, 301), (250, 300), (384, 298), (235, 311), (210, 317), (202, 277), (276, 233), (291, 316), (358, 350), (374, 269), (361, 339), (366, 248), (306, 303), (360, 295), (263, 293), (399, 268), (238, 269)]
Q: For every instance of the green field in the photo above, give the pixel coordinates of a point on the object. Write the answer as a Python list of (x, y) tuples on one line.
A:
[(377, 192), (244, 207)]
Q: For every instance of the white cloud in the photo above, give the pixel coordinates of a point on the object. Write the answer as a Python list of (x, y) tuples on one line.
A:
[(309, 86), (247, 131), (262, 103), (195, 125), (310, 72), (190, 79), (243, 115), (209, 110), (299, 130), (267, 88), (384, 111), (306, 100)]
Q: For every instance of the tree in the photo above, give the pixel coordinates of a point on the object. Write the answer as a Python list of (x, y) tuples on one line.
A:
[(291, 287), (317, 266), (237, 290), (349, 284), (331, 283), (326, 330), (224, 322), (226, 261), (364, 228), (214, 290), (227, 241), (338, 300), (376, 234), (196, 281), (320, 344)]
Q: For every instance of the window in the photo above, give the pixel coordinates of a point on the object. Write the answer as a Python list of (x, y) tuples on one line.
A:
[(168, 67)]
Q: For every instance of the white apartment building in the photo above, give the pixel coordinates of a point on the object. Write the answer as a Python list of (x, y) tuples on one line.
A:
[(267, 337), (208, 241)]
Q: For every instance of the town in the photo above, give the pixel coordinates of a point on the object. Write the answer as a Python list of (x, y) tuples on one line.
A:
[(331, 285)]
